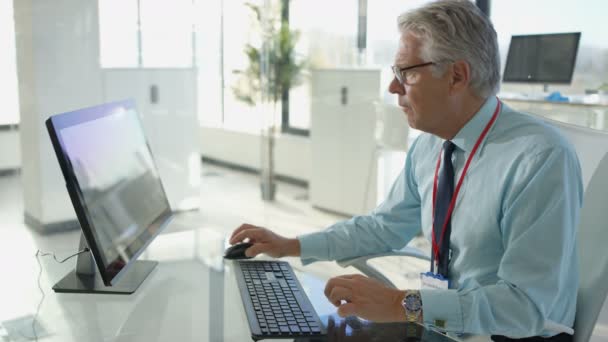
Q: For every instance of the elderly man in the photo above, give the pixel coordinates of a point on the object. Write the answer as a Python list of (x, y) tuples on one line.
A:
[(496, 192)]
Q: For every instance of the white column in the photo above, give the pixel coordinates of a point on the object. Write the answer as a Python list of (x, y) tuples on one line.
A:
[(58, 71)]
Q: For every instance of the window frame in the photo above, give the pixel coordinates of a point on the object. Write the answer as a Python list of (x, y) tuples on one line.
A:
[(285, 115)]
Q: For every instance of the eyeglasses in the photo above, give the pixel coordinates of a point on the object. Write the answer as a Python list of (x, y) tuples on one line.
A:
[(404, 76)]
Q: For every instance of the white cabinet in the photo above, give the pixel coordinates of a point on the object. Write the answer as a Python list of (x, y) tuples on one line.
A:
[(343, 147)]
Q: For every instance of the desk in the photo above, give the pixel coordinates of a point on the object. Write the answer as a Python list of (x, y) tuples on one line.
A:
[(588, 114), (190, 296)]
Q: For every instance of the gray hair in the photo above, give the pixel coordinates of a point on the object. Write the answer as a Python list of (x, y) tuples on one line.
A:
[(453, 30)]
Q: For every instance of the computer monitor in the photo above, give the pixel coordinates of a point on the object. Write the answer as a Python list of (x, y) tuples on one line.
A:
[(542, 58), (116, 191)]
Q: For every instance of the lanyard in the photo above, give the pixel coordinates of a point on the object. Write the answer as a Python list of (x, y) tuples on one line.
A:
[(464, 171)]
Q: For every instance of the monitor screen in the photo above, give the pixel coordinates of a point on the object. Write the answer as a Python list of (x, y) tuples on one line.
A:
[(113, 182), (542, 58)]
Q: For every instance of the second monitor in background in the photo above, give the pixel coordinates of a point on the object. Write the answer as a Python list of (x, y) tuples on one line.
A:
[(542, 58)]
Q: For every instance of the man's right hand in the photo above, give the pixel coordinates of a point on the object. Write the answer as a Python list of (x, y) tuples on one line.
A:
[(265, 241)]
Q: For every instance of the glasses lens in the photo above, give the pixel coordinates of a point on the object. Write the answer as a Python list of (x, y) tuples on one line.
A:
[(411, 77), (397, 73)]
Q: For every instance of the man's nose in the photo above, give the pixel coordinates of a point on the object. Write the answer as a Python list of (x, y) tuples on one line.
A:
[(395, 87)]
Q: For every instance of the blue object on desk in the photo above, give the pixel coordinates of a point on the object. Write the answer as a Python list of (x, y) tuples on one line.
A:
[(556, 96)]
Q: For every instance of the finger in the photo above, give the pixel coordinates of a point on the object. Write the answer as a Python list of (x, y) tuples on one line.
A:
[(348, 309), (244, 227), (254, 235), (337, 281), (338, 294), (331, 322), (353, 276), (256, 249), (342, 330), (331, 327), (338, 329), (241, 228)]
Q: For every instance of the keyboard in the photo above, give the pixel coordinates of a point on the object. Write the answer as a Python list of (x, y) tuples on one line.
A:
[(274, 301)]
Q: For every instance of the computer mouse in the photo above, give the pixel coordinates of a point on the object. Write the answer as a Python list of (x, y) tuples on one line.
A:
[(237, 251)]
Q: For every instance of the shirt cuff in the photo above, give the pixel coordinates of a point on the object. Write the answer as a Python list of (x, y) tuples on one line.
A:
[(313, 247), (442, 306)]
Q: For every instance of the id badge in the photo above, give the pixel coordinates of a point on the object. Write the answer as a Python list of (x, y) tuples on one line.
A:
[(430, 280)]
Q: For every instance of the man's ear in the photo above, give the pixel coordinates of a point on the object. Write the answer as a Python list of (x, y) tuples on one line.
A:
[(460, 76)]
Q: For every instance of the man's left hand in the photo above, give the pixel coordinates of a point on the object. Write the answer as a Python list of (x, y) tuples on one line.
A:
[(366, 298)]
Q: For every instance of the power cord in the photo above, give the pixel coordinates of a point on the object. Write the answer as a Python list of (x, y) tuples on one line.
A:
[(39, 254)]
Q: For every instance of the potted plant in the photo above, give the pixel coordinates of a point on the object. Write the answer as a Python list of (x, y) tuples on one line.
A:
[(272, 71)]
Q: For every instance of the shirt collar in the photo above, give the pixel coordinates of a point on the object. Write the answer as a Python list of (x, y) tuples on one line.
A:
[(466, 138)]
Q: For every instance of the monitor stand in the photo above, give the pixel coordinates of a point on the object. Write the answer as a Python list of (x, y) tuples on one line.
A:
[(85, 278)]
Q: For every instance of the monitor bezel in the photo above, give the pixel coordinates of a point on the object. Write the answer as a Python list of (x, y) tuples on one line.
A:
[(510, 79), (108, 271)]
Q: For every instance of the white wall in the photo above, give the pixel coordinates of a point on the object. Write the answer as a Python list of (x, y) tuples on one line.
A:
[(10, 150), (8, 79), (58, 71), (292, 153)]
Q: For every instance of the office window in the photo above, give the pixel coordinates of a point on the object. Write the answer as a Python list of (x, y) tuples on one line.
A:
[(166, 39), (238, 31), (146, 33), (118, 34), (383, 37), (328, 39), (382, 33), (9, 115), (208, 28)]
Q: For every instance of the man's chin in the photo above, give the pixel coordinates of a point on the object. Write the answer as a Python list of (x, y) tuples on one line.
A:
[(409, 115), (412, 124)]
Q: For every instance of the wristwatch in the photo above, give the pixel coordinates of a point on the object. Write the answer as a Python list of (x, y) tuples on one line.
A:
[(412, 303)]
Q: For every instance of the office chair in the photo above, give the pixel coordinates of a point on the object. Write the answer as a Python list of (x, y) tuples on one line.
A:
[(592, 150)]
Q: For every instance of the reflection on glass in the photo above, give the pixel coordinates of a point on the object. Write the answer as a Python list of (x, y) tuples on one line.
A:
[(354, 329), (121, 191)]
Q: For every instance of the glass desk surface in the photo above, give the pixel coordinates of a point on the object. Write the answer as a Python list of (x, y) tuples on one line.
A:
[(191, 295)]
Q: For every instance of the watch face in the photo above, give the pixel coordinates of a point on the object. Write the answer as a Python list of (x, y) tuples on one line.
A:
[(412, 302)]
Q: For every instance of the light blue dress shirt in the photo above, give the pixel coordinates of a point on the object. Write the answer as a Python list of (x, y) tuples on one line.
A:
[(514, 267)]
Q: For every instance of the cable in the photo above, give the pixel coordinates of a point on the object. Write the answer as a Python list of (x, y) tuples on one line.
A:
[(39, 254)]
